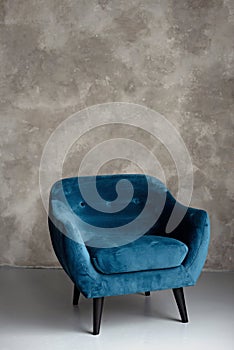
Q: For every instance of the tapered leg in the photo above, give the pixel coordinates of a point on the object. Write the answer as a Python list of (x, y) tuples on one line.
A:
[(97, 314), (147, 294), (180, 301), (76, 295)]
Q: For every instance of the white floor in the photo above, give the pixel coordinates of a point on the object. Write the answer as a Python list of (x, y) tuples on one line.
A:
[(36, 313)]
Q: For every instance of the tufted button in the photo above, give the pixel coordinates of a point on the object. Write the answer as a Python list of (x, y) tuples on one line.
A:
[(136, 200), (82, 204)]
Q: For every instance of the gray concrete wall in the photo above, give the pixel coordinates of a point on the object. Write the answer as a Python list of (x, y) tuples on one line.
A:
[(58, 56)]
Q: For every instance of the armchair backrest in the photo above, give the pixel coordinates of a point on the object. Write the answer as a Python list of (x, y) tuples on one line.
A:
[(110, 201)]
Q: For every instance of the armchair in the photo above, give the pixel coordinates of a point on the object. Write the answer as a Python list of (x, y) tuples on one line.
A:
[(141, 258)]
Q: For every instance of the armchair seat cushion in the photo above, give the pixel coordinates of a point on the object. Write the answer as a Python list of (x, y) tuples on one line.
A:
[(146, 253)]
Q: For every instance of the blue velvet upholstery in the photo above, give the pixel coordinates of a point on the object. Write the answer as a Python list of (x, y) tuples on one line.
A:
[(72, 252), (149, 252)]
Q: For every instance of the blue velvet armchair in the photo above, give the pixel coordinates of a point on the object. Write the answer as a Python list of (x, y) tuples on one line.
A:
[(114, 249)]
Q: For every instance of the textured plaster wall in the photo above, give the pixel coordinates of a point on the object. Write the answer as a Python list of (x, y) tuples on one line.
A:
[(58, 56)]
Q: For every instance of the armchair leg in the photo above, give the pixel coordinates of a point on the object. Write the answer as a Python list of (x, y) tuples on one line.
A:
[(180, 301), (147, 294), (97, 314), (76, 295)]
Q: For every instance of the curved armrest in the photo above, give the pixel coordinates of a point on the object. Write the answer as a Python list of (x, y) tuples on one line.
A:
[(69, 246), (194, 231)]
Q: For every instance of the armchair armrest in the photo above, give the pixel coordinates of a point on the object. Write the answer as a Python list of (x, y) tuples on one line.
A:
[(70, 248), (194, 231)]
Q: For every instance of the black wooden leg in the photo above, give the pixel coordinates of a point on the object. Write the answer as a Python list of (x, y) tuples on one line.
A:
[(97, 314), (180, 301), (76, 295), (147, 294)]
